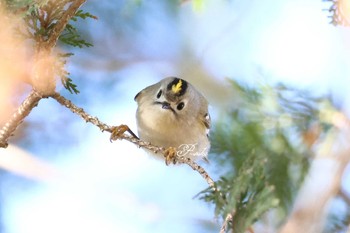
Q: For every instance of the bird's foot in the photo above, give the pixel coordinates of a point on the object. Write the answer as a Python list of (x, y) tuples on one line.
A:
[(170, 155), (118, 132)]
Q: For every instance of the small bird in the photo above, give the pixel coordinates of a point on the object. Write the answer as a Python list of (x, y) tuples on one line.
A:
[(172, 114)]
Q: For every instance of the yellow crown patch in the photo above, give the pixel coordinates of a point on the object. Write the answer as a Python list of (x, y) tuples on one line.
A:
[(177, 87)]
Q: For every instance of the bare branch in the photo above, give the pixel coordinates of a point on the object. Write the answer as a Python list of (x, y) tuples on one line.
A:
[(179, 159), (199, 169), (22, 112), (80, 112), (344, 195), (155, 149), (225, 223)]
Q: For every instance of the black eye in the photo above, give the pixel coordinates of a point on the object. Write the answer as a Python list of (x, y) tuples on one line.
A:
[(159, 94), (180, 106)]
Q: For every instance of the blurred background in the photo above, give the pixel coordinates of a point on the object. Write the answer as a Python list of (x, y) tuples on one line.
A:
[(75, 180)]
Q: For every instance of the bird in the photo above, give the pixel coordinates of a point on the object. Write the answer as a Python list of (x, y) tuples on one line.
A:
[(174, 115)]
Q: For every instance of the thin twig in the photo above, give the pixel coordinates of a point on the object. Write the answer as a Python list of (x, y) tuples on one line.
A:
[(199, 169), (61, 24), (79, 111), (22, 112), (179, 159), (225, 223), (343, 194), (155, 149)]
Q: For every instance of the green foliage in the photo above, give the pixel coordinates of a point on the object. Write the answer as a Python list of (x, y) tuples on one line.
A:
[(64, 75), (260, 148), (41, 18), (70, 35), (69, 85), (83, 15), (246, 196)]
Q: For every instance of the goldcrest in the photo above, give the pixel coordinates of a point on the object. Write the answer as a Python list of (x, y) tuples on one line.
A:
[(173, 114)]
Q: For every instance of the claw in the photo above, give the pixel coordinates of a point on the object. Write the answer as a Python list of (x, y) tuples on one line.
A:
[(118, 131), (170, 155)]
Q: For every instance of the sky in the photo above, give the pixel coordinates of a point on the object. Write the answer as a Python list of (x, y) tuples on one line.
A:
[(116, 187)]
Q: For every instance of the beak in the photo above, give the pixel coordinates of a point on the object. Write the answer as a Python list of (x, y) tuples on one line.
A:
[(166, 105)]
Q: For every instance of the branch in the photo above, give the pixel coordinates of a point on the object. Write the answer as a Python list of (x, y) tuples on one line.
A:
[(199, 169), (80, 112), (225, 224), (61, 24), (344, 195), (22, 112), (104, 127)]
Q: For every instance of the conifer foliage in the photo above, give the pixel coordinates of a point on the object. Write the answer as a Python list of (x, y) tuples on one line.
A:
[(261, 150)]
